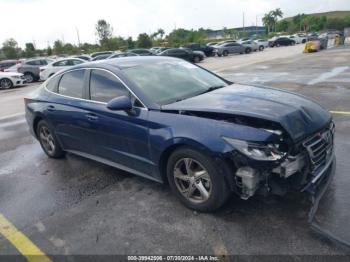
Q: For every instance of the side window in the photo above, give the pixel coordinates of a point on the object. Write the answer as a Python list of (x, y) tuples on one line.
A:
[(52, 83), (104, 86), (34, 63), (71, 84), (76, 62), (61, 63)]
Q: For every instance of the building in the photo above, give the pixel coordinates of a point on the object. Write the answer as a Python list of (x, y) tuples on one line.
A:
[(248, 31)]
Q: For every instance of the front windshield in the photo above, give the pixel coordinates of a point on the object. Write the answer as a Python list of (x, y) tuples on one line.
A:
[(165, 82)]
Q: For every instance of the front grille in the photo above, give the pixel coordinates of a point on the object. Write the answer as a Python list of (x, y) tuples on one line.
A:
[(320, 147)]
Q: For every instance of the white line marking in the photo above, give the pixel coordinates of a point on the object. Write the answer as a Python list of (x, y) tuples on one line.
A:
[(13, 123), (11, 116), (323, 77)]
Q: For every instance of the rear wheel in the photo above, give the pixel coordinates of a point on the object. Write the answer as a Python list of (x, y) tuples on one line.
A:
[(48, 140), (29, 77), (6, 83), (225, 53), (248, 50), (195, 180), (261, 48)]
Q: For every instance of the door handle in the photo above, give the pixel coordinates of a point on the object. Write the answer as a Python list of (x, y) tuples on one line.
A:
[(51, 108), (91, 117)]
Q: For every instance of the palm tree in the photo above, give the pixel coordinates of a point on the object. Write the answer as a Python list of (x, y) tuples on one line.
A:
[(268, 21), (277, 13)]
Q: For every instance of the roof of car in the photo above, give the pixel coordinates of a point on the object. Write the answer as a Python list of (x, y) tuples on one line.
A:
[(124, 62)]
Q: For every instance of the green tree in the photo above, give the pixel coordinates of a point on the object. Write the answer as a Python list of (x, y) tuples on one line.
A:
[(277, 13), (10, 48), (130, 43), (29, 50), (58, 47), (49, 51), (268, 21), (144, 41), (104, 32)]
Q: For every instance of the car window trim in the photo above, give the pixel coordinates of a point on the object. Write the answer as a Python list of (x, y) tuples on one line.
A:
[(93, 101)]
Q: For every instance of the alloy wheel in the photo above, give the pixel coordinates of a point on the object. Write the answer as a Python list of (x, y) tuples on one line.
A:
[(192, 180), (29, 78), (6, 83), (47, 140)]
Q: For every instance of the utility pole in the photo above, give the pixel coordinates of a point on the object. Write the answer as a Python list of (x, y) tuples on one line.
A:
[(243, 23), (78, 36)]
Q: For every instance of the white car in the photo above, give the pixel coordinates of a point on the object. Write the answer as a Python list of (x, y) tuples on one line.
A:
[(298, 38), (54, 67), (11, 79), (263, 43)]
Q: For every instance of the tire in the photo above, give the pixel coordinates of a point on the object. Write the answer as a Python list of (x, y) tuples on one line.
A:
[(208, 180), (261, 48), (248, 50), (225, 53), (30, 78), (278, 45), (48, 140), (196, 59), (6, 83), (303, 41), (219, 55)]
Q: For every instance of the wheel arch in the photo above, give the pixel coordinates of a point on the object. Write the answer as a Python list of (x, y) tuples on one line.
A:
[(13, 84), (36, 121), (177, 143)]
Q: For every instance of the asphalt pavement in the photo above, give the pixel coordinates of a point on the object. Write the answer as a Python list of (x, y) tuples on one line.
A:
[(76, 206)]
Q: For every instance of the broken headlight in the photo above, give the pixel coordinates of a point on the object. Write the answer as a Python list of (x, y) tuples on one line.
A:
[(257, 151)]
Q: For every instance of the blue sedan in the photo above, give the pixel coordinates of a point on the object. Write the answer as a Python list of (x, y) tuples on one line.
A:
[(172, 121)]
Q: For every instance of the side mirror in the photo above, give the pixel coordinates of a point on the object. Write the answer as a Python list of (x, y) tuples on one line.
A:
[(120, 103)]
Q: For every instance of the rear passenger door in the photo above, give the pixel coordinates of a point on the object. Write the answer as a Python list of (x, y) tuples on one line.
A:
[(66, 111)]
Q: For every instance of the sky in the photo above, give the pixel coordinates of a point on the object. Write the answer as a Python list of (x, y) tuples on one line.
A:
[(44, 21)]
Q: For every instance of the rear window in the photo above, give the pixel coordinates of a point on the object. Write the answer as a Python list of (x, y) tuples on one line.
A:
[(52, 83), (71, 84)]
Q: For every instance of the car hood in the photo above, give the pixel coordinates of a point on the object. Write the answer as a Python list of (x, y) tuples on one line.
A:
[(298, 115), (9, 74)]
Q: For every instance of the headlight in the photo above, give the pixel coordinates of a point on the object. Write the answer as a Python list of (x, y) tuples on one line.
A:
[(17, 77), (268, 152)]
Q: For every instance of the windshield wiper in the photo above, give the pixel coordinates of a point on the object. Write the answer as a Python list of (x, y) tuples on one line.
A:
[(212, 88)]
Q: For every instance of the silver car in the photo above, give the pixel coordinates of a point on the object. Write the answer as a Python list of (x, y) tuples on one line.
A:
[(231, 48), (252, 44), (30, 68)]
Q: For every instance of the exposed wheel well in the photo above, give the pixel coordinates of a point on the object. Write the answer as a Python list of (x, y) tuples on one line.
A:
[(35, 124)]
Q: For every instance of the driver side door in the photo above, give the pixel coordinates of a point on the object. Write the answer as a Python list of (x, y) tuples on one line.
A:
[(121, 136)]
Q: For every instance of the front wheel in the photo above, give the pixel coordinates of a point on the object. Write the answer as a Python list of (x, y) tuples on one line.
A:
[(195, 180), (6, 83), (225, 53), (248, 50), (48, 140), (261, 48)]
